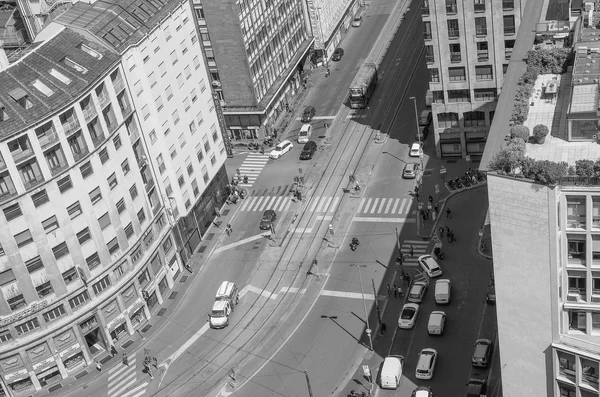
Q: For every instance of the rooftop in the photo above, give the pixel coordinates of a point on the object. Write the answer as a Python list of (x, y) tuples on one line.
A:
[(73, 71)]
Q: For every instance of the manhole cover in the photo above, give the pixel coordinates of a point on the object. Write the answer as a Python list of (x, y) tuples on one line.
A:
[(202, 249), (183, 279), (53, 388), (127, 344), (161, 312), (146, 328), (173, 295), (209, 236), (81, 374)]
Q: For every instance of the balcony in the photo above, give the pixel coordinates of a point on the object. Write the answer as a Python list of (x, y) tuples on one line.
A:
[(103, 99), (429, 59), (48, 139), (482, 55), (70, 126), (97, 139), (455, 57), (6, 194), (112, 126), (125, 110), (149, 185), (118, 85), (62, 165), (507, 53), (134, 136), (81, 153), (89, 112), (425, 11), (21, 155)]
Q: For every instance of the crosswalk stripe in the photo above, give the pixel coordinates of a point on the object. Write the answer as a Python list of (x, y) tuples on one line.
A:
[(289, 203), (362, 202), (327, 207), (374, 205), (335, 202), (122, 382), (115, 371), (402, 206), (387, 208), (395, 205), (368, 205), (381, 206), (136, 391), (314, 201), (276, 206)]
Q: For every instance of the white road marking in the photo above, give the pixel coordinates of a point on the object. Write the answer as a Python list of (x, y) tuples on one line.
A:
[(374, 205), (362, 202), (135, 392), (352, 295), (238, 243), (383, 219), (395, 206)]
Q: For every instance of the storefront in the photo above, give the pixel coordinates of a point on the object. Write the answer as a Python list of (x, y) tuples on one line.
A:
[(47, 372), (92, 332), (69, 350), (16, 375), (139, 315)]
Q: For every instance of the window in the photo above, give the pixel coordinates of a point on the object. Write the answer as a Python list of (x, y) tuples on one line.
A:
[(152, 136), (133, 191), (55, 313), (482, 51), (453, 30), (473, 119), (455, 52), (136, 254), (485, 94), (5, 335), (508, 4), (152, 79), (50, 224), (141, 216), (179, 79), (16, 302), (576, 249), (44, 289), (79, 299), (27, 326), (188, 72), (190, 169), (213, 159), (175, 117), (457, 74), (180, 181), (577, 320), (181, 140), (448, 120), (129, 230), (196, 62), (104, 221), (59, 76), (484, 72), (93, 260), (117, 142), (509, 24), (162, 68), (173, 57), (161, 164), (138, 88), (119, 271), (86, 170), (504, 68), (70, 275), (577, 284), (168, 188), (429, 55), (12, 212), (121, 205), (459, 96), (112, 181), (427, 30), (169, 92), (60, 250), (194, 96), (101, 285), (84, 235), (23, 238), (64, 184), (451, 7), (74, 210), (173, 152), (113, 246), (145, 112), (479, 5), (434, 75), (95, 195), (199, 153), (34, 264), (480, 26), (103, 155)]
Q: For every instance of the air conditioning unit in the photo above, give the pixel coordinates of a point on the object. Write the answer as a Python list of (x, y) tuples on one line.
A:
[(596, 298), (573, 297), (216, 83)]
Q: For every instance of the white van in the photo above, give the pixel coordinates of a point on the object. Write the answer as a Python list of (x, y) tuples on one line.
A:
[(437, 321), (225, 300), (305, 133), (442, 291), (228, 291), (391, 372)]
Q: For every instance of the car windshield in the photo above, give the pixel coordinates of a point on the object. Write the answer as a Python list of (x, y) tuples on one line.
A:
[(407, 313), (217, 313)]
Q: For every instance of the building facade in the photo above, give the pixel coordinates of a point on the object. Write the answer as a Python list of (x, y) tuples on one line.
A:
[(110, 161), (256, 52), (468, 44)]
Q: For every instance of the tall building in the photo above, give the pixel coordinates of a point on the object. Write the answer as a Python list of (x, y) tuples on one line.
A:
[(546, 238), (468, 44), (256, 52), (111, 159)]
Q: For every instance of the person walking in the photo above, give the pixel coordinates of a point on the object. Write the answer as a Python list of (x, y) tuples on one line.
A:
[(441, 231), (395, 291), (389, 290), (448, 213), (399, 292), (436, 208), (408, 279), (113, 350), (125, 360), (430, 198), (412, 251), (99, 366), (400, 258)]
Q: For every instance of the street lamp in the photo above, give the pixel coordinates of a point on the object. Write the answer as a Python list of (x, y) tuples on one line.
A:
[(420, 143), (364, 305)]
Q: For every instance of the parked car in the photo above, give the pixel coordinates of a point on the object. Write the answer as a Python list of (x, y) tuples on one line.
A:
[(426, 364), (281, 149), (490, 296), (417, 291), (422, 391), (475, 388), (430, 266), (408, 316), (268, 218), (338, 53), (308, 114), (425, 117), (423, 132), (436, 323), (416, 150), (305, 133), (308, 150), (357, 21), (442, 291), (410, 171), (482, 353)]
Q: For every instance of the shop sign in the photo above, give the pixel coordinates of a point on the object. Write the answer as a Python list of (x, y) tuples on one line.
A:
[(36, 307), (15, 376), (223, 127), (113, 324), (135, 306), (43, 364), (69, 351)]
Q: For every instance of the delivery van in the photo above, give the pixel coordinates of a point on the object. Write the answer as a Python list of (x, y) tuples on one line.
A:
[(228, 291), (225, 301), (437, 321), (305, 133), (391, 372), (442, 291), (425, 117)]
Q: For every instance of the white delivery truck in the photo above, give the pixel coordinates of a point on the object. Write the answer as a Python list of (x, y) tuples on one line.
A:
[(225, 301), (391, 372)]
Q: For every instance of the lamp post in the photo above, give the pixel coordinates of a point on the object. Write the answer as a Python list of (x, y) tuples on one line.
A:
[(365, 306), (420, 144)]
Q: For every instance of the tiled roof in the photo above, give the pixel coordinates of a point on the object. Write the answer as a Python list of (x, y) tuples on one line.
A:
[(20, 76), (118, 23)]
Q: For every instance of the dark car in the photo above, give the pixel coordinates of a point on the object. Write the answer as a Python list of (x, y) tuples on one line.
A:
[(475, 387), (308, 150), (482, 353), (423, 132), (308, 114), (491, 294), (268, 218), (338, 53)]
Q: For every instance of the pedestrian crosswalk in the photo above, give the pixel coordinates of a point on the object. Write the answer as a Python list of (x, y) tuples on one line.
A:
[(252, 166), (390, 206), (411, 250), (121, 381)]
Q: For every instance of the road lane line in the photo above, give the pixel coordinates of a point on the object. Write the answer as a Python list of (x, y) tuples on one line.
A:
[(395, 205), (367, 205), (182, 349), (335, 204), (381, 206), (383, 219), (362, 202), (116, 371), (389, 204), (238, 243), (351, 295), (314, 201), (257, 291)]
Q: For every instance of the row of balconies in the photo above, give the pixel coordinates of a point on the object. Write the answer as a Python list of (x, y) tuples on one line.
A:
[(451, 8), (456, 57)]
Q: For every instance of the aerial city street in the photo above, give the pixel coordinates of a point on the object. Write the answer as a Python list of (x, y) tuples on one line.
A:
[(291, 198)]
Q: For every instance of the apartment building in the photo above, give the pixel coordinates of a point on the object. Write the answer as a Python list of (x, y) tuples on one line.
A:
[(111, 161), (546, 239), (256, 52), (468, 45)]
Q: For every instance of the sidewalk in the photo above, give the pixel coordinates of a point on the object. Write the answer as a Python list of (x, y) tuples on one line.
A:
[(134, 346)]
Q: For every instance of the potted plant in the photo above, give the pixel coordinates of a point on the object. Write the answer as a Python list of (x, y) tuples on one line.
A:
[(539, 132)]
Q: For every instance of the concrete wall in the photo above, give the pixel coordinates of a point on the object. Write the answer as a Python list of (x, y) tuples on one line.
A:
[(522, 216)]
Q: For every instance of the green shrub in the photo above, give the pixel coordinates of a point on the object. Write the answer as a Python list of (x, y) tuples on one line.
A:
[(553, 60), (519, 114), (544, 171), (584, 168), (530, 75), (540, 131), (506, 160), (516, 145), (597, 167), (571, 171), (520, 131)]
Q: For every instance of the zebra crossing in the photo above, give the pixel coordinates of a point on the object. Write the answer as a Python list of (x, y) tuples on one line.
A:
[(252, 166), (121, 378), (419, 247), (387, 206)]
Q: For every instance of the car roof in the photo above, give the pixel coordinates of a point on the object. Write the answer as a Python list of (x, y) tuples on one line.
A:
[(305, 127), (411, 305), (415, 145), (410, 165)]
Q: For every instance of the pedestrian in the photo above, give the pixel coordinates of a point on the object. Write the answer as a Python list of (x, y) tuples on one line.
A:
[(423, 214), (400, 258), (412, 251), (441, 231), (436, 208), (287, 107), (304, 84), (327, 72), (447, 230), (125, 359), (99, 366), (262, 149), (430, 198), (426, 214), (395, 291), (399, 292), (113, 350), (417, 190), (407, 279), (325, 125), (218, 212), (389, 290), (448, 213)]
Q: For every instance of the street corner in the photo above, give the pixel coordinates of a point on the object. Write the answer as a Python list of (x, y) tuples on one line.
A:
[(363, 382)]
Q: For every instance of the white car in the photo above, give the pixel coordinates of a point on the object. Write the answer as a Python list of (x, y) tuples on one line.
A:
[(426, 364), (281, 149), (357, 21), (429, 266), (416, 150), (417, 291), (408, 316), (410, 171)]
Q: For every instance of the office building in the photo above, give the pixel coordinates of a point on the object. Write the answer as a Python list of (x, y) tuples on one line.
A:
[(111, 159), (468, 44)]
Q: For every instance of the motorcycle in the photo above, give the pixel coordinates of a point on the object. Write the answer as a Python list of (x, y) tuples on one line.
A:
[(451, 184), (246, 179), (465, 181), (437, 251), (458, 183), (354, 244)]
